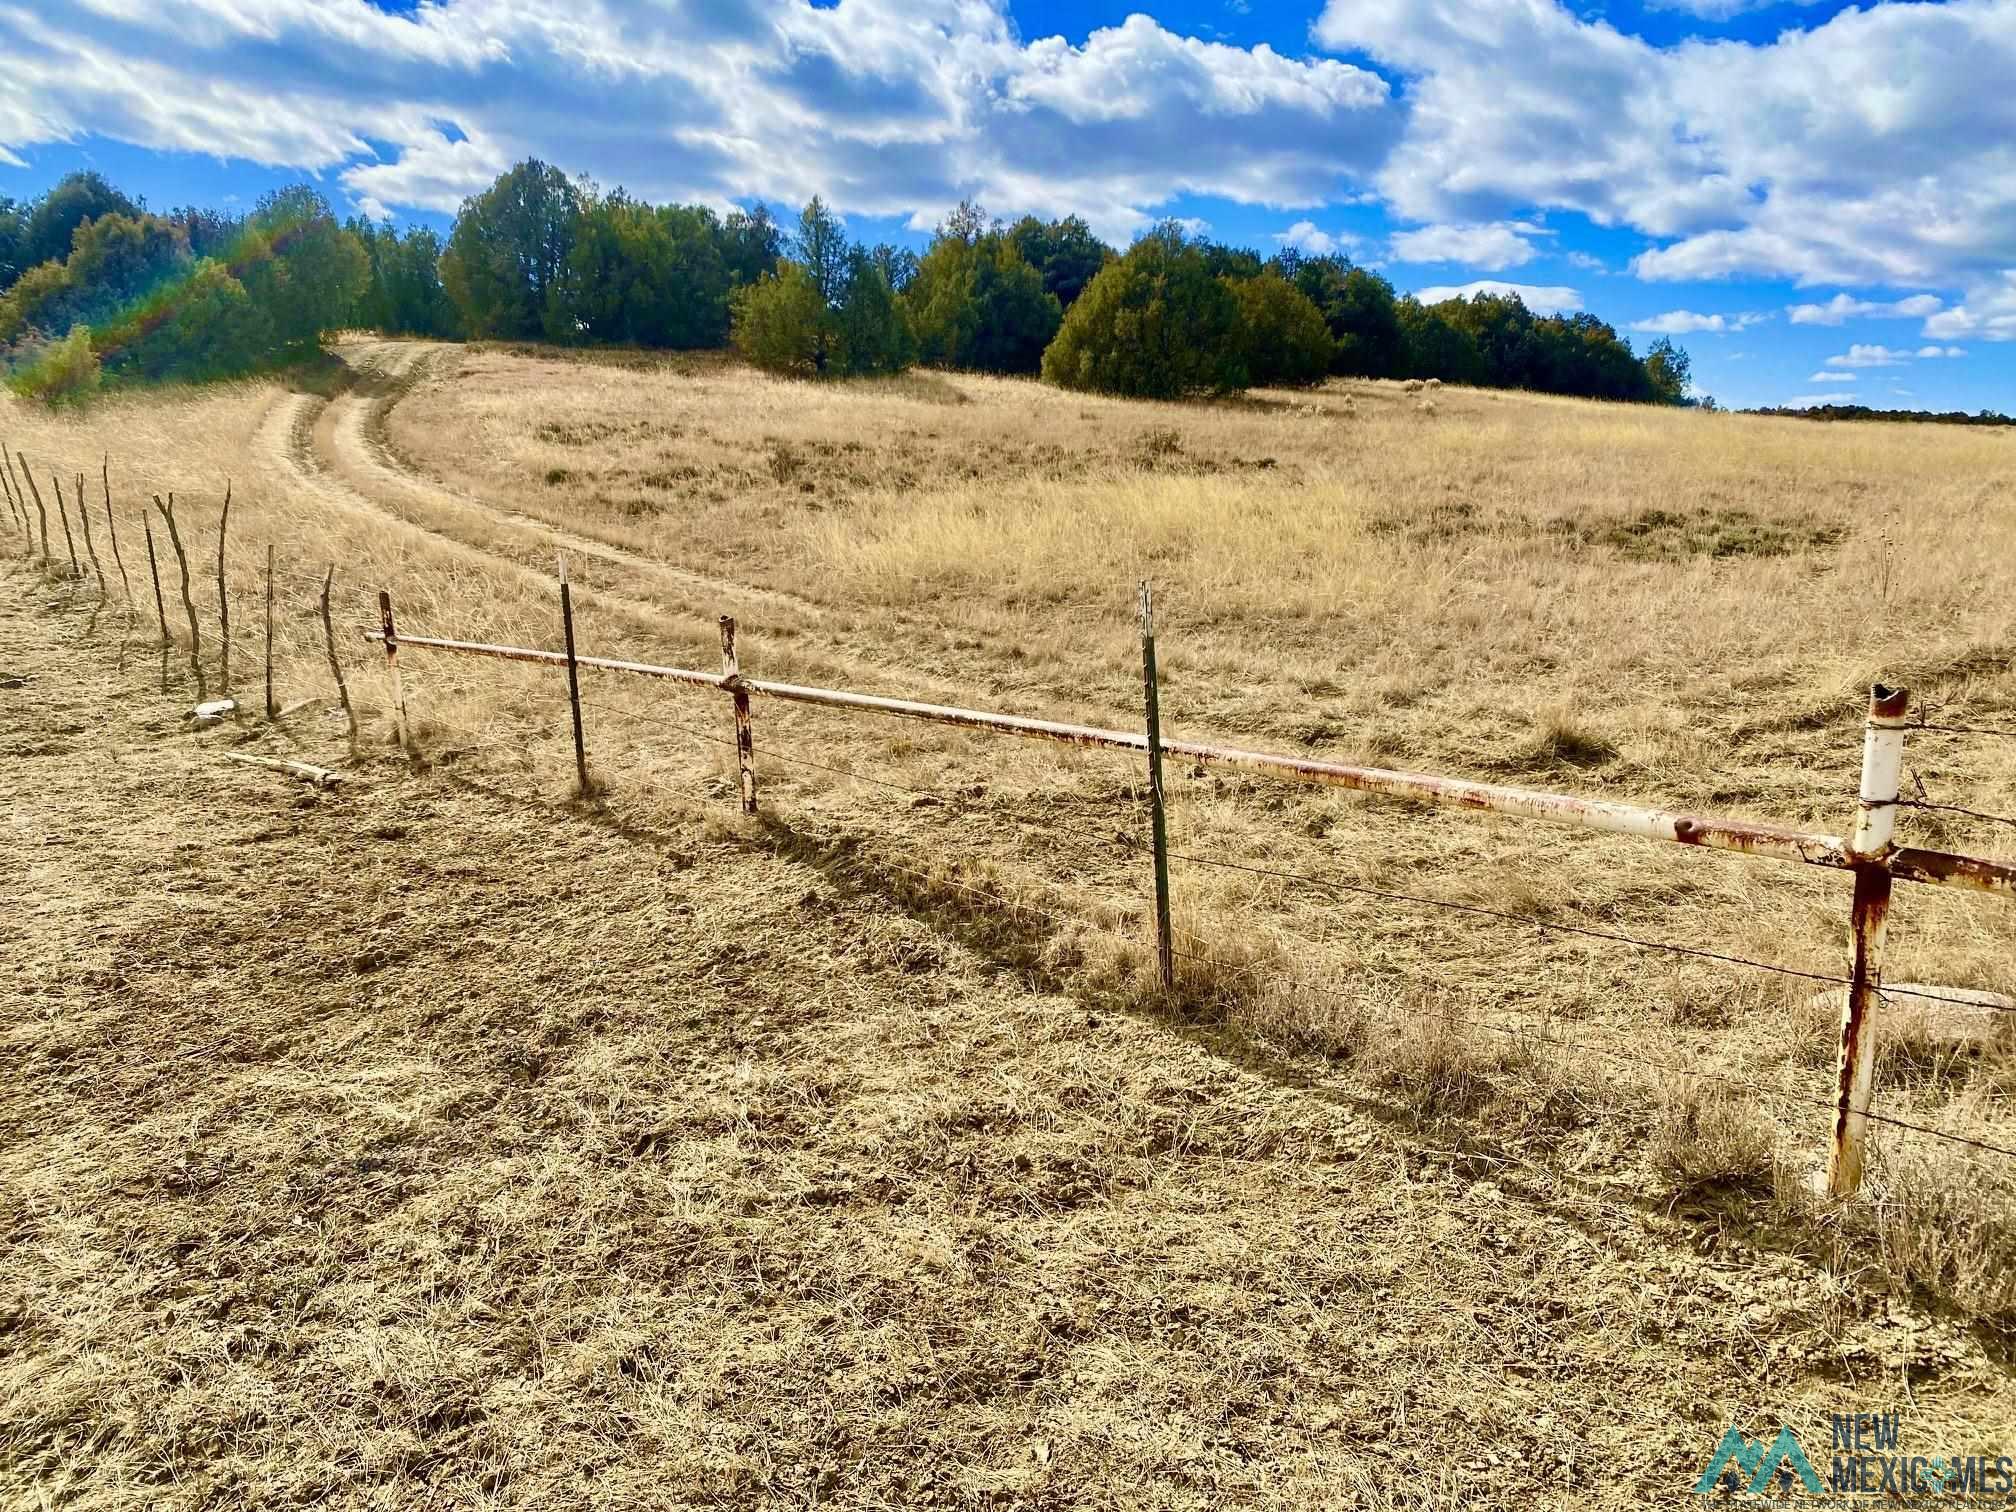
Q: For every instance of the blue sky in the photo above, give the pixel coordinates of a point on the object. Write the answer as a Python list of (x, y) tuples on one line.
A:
[(1815, 199)]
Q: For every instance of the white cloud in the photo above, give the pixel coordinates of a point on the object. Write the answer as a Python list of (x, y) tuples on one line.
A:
[(1808, 401), (1824, 377), (1540, 299), (1492, 247), (1937, 351), (1878, 147), (1860, 356), (1687, 322), (1988, 314), (1717, 10), (1304, 236), (887, 107), (1587, 262), (1842, 308)]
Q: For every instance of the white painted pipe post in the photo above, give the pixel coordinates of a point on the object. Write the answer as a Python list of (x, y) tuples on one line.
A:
[(1869, 847)]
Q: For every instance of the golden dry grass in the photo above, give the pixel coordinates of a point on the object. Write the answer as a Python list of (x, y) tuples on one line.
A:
[(1672, 608)]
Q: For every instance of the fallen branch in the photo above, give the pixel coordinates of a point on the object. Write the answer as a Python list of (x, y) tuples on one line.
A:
[(322, 777)]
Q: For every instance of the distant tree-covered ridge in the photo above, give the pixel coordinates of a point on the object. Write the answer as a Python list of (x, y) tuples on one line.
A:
[(541, 256), (1864, 412)]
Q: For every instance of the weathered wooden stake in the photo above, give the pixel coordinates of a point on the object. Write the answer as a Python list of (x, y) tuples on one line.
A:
[(64, 515), (188, 602), (90, 546), (41, 514), (112, 529), (16, 512), (272, 708), (392, 672), (1870, 842), (573, 682), (335, 666), (1165, 933), (223, 600), (745, 739), (154, 570)]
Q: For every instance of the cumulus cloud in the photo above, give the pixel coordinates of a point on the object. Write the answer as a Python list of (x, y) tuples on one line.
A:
[(1687, 322), (1988, 313), (1717, 10), (1937, 351), (1861, 356), (1493, 246), (1540, 299), (1808, 401), (1305, 236), (1877, 147), (1842, 308), (1824, 377), (887, 107)]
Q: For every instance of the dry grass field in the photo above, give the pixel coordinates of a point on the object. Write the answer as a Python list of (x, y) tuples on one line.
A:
[(438, 1140)]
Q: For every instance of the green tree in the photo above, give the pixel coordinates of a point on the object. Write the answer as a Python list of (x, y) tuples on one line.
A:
[(822, 246), (870, 332), (977, 303), (13, 222), (1360, 309), (751, 243), (508, 251), (1065, 252), (303, 271), (653, 277), (780, 322), (1669, 371), (1286, 342), (1432, 347), (52, 224), (1155, 324)]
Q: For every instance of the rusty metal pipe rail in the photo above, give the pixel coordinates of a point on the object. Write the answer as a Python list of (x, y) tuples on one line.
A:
[(1936, 868)]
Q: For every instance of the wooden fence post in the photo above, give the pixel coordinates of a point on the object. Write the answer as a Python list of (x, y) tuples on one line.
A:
[(63, 514), (745, 740), (112, 529), (392, 672), (41, 514), (154, 571), (335, 666), (90, 546), (1869, 847), (18, 513), (1165, 933), (188, 602), (223, 600), (573, 682), (272, 708)]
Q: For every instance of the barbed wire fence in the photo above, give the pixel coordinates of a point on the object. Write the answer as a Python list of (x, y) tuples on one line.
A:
[(1851, 1105)]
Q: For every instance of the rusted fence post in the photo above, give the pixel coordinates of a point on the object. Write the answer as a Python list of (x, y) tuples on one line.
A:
[(1165, 933), (272, 708), (745, 739), (1868, 848), (392, 672), (573, 683)]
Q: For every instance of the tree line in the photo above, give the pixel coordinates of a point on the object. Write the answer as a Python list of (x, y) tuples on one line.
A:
[(97, 289)]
